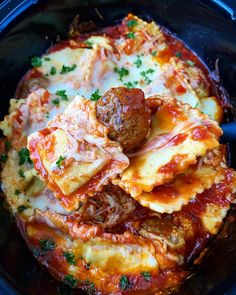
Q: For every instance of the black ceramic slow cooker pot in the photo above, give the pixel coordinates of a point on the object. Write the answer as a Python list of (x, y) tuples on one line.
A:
[(29, 27)]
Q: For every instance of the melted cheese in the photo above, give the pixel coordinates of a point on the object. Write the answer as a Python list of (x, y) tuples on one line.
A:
[(175, 128), (80, 141)]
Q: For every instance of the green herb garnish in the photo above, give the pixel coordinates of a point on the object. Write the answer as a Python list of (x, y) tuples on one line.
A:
[(24, 156), (56, 101), (131, 84), (70, 280), (131, 23), (3, 158), (62, 94), (138, 62), (47, 245), (53, 71), (21, 208), (89, 43), (145, 75), (95, 95), (67, 69), (124, 282), (131, 35), (154, 53), (70, 257), (36, 61), (7, 145), (190, 62), (146, 275), (59, 161), (122, 72), (21, 173), (47, 58), (178, 54), (17, 192)]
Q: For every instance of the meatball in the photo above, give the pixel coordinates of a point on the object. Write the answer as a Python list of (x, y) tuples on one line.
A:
[(125, 113)]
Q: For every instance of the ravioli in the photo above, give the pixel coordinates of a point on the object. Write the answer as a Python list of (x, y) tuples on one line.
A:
[(210, 169), (175, 128), (74, 156)]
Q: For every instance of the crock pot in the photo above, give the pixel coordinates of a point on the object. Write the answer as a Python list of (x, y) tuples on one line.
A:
[(28, 28)]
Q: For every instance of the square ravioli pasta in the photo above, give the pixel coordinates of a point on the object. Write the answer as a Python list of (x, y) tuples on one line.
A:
[(74, 156), (179, 135)]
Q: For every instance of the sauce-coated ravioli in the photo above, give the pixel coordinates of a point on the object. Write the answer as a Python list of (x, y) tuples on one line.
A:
[(91, 211)]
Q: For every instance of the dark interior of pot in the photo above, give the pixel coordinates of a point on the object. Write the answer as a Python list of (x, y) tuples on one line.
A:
[(206, 28)]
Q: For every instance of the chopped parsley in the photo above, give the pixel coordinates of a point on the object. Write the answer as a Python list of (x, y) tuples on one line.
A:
[(197, 105), (47, 245), (7, 145), (53, 71), (131, 35), (190, 62), (59, 161), (36, 61), (17, 192), (154, 53), (3, 158), (95, 95), (90, 287), (124, 282), (138, 62), (178, 54), (21, 208), (24, 156), (47, 115), (131, 23), (47, 58), (62, 94), (67, 69), (56, 101), (145, 75), (122, 72), (131, 84), (70, 280), (70, 257), (146, 275), (89, 43), (21, 173)]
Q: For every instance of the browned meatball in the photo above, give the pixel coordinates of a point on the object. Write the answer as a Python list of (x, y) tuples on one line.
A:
[(126, 114)]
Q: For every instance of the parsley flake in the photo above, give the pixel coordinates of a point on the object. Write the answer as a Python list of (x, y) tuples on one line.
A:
[(62, 94), (70, 280), (122, 72), (3, 158), (89, 43), (190, 62), (21, 173), (17, 192), (70, 257), (131, 84), (154, 53), (21, 208), (95, 95), (124, 282), (138, 62), (7, 145), (47, 58), (178, 54), (131, 23), (59, 161), (24, 156), (53, 71), (67, 69), (36, 61), (131, 35), (47, 244), (146, 275), (56, 101), (145, 75)]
